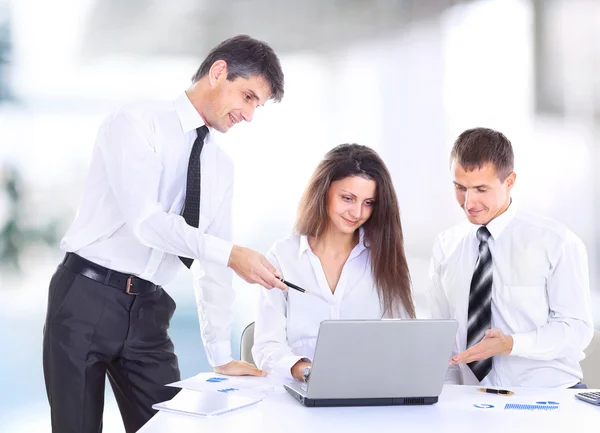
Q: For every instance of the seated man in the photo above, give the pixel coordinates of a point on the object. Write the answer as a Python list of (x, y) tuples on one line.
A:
[(516, 282)]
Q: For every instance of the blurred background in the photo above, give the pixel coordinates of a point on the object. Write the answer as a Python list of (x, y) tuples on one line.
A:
[(402, 76)]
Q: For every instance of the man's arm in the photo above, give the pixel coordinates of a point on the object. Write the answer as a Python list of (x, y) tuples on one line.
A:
[(569, 329), (440, 307), (134, 173), (570, 325), (213, 287)]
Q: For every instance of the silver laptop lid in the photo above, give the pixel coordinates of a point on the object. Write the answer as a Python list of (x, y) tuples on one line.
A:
[(381, 358)]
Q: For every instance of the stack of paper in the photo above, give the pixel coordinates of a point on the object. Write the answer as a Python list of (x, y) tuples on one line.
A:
[(204, 403), (212, 394), (247, 386)]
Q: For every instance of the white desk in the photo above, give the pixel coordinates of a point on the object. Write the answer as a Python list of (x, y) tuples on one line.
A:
[(454, 412)]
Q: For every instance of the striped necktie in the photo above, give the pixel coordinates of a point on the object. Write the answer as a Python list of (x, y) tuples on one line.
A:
[(480, 303)]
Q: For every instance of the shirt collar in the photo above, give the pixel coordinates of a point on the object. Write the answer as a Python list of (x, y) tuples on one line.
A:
[(498, 224), (304, 246), (189, 117)]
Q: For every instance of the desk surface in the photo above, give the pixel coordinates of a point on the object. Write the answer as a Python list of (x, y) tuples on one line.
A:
[(455, 412)]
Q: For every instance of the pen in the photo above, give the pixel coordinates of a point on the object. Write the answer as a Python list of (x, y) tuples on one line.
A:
[(293, 286), (496, 391)]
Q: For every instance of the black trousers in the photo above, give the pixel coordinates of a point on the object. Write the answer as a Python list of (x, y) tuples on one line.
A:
[(93, 330)]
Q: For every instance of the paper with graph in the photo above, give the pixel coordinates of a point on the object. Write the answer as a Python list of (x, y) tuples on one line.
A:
[(256, 387)]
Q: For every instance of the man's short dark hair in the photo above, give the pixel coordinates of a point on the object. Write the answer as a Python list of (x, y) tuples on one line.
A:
[(479, 146), (246, 57)]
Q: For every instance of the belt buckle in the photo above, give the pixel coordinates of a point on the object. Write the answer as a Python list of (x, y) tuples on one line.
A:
[(128, 287)]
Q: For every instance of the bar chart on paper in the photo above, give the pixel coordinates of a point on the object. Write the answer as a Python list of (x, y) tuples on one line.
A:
[(255, 387)]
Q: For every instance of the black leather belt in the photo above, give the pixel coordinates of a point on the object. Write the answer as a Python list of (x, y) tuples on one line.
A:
[(131, 284)]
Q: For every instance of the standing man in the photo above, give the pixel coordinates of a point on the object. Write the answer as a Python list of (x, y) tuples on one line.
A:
[(158, 194), (516, 282)]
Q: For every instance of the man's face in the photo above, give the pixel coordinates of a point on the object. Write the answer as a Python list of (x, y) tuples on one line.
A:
[(480, 193), (231, 102)]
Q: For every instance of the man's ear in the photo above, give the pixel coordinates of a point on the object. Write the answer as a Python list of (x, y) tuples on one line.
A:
[(217, 73), (510, 180)]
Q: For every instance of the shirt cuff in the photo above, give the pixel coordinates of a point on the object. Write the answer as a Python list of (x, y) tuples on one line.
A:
[(283, 368), (522, 344), (218, 353), (217, 250)]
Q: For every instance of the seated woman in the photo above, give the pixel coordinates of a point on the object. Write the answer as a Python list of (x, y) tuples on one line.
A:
[(347, 252)]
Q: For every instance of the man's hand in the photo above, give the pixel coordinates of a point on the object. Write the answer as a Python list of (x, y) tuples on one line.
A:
[(239, 368), (298, 368), (254, 268), (495, 342)]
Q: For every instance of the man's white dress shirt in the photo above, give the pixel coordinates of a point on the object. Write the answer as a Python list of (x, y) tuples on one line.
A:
[(288, 323), (129, 219), (540, 296)]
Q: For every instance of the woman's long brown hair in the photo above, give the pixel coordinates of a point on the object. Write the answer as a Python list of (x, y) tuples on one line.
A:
[(382, 231)]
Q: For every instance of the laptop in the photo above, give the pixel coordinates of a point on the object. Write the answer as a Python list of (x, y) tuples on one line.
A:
[(378, 363)]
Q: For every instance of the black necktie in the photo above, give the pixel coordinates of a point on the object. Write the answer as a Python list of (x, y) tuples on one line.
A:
[(480, 303), (191, 208)]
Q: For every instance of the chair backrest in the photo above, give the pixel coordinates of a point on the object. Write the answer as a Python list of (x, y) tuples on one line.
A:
[(591, 364), (246, 343)]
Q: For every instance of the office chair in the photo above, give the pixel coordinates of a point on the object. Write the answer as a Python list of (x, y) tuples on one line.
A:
[(591, 364), (246, 343)]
